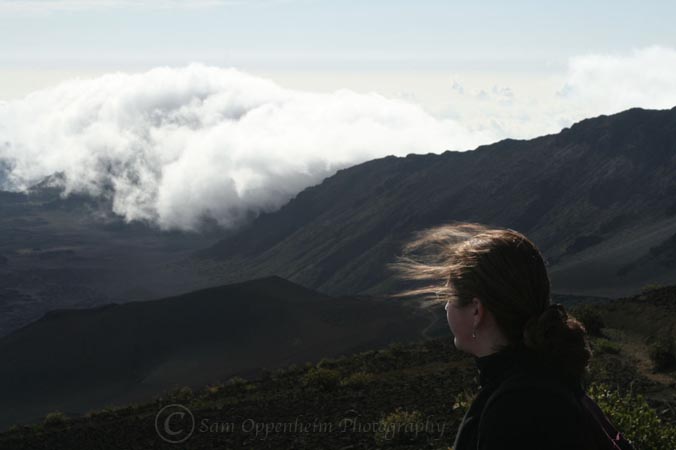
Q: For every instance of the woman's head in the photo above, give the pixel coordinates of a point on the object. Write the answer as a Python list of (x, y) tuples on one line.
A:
[(496, 287)]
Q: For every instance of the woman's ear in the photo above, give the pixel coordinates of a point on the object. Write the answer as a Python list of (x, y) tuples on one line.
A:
[(478, 311)]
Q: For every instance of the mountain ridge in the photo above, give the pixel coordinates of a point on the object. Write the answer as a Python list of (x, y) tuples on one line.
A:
[(574, 193)]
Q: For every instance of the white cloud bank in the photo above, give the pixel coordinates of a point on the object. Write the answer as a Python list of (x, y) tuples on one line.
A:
[(611, 83), (171, 146)]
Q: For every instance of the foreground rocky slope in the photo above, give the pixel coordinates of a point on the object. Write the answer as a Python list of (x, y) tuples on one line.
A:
[(364, 400)]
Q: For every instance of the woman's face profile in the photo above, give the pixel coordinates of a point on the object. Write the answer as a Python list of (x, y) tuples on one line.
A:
[(460, 321)]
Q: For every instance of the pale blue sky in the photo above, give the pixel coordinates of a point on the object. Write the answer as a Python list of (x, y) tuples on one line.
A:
[(523, 36), (445, 56)]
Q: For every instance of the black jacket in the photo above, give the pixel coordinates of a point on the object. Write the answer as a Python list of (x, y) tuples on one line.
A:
[(530, 419)]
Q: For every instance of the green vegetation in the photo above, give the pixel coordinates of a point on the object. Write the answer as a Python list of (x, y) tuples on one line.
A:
[(180, 394), (358, 379), (463, 400), (590, 318), (55, 418), (634, 418), (321, 378), (236, 381), (213, 390), (400, 427), (106, 412), (602, 345)]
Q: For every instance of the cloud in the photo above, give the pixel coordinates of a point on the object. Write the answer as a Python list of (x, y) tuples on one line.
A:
[(174, 145), (610, 83)]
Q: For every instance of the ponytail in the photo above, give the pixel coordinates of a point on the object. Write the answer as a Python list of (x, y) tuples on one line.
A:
[(559, 339)]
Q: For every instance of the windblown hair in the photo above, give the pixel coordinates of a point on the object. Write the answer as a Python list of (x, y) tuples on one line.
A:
[(506, 271)]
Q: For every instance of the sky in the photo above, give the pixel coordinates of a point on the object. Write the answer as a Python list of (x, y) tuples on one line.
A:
[(184, 109)]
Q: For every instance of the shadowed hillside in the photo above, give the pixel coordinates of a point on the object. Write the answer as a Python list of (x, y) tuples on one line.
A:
[(76, 360)]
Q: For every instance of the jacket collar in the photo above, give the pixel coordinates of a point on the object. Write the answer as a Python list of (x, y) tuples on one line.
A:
[(496, 367)]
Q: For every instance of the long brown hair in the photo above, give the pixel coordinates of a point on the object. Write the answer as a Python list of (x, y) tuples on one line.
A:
[(502, 267)]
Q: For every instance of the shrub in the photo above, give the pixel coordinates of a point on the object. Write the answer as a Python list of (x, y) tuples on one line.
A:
[(634, 418), (397, 348), (462, 400), (602, 345), (662, 353), (650, 287), (400, 427), (358, 379), (239, 384), (181, 395), (590, 318), (321, 378), (327, 363), (213, 390), (368, 353), (55, 418), (236, 381), (107, 411)]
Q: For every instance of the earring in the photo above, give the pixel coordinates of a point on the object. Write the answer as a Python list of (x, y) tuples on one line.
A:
[(473, 334)]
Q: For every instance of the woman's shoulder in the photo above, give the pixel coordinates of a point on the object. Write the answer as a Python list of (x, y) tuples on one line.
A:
[(532, 388), (533, 395), (529, 409)]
